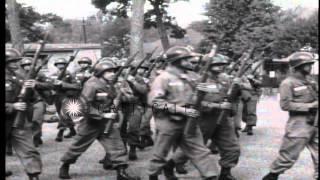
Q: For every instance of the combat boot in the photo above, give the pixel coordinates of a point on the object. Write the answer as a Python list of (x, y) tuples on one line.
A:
[(34, 176), (147, 141), (271, 176), (59, 137), (64, 171), (123, 175), (225, 174), (168, 170), (132, 153), (71, 133), (107, 163), (8, 173), (153, 177), (180, 169), (250, 131)]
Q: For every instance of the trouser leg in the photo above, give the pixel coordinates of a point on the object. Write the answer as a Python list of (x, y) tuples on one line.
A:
[(114, 147), (134, 121), (313, 146), (87, 134), (228, 144), (290, 150), (25, 150), (37, 120), (145, 128), (251, 112), (194, 148)]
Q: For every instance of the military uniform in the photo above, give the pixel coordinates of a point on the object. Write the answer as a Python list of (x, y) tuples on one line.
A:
[(97, 97), (21, 139), (297, 96), (170, 88), (250, 100), (68, 90)]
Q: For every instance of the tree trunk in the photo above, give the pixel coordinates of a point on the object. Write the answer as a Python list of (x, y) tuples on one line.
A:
[(14, 25), (161, 29), (136, 40)]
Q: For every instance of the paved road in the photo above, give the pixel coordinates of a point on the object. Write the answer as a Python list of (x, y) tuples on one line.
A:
[(258, 152)]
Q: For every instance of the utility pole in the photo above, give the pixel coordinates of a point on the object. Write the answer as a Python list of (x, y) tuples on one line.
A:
[(84, 31)]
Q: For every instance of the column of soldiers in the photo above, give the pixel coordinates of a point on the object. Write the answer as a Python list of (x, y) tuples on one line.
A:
[(118, 101)]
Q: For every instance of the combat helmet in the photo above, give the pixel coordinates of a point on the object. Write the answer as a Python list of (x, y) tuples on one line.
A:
[(60, 61), (101, 67), (84, 60), (219, 60), (178, 53), (300, 58), (26, 61), (12, 54)]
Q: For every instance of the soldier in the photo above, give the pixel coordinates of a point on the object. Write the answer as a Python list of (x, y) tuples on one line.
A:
[(250, 101), (98, 94), (170, 93), (21, 138), (39, 106), (133, 111), (66, 89), (84, 72), (299, 97), (223, 135)]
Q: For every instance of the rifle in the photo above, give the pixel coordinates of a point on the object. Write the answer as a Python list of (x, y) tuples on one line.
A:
[(316, 121), (192, 122), (44, 62), (153, 65), (245, 57), (109, 124), (117, 75), (135, 70), (71, 58), (256, 67), (25, 93), (233, 67)]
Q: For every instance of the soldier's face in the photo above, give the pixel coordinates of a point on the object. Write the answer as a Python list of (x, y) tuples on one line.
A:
[(306, 69), (83, 65), (108, 75), (27, 67), (60, 66), (216, 69)]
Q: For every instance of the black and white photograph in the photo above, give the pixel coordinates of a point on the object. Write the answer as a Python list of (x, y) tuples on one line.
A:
[(161, 90)]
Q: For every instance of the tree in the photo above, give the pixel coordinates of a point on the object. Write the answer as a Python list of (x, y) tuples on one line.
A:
[(136, 43), (244, 23), (14, 25), (156, 17)]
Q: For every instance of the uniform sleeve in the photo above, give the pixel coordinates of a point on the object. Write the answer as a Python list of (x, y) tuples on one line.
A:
[(286, 99), (88, 92), (140, 87), (157, 98), (127, 93)]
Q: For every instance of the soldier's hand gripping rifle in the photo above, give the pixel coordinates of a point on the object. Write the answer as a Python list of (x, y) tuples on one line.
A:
[(190, 126), (145, 59), (117, 100), (25, 92), (231, 91)]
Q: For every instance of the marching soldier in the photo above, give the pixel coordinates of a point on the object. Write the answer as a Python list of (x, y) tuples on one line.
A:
[(21, 138), (133, 116), (250, 101), (170, 92), (85, 67), (66, 89), (223, 135), (39, 106), (98, 94), (299, 97)]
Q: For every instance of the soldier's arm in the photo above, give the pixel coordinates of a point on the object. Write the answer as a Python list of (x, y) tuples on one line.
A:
[(286, 99), (127, 93), (157, 98), (140, 87)]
